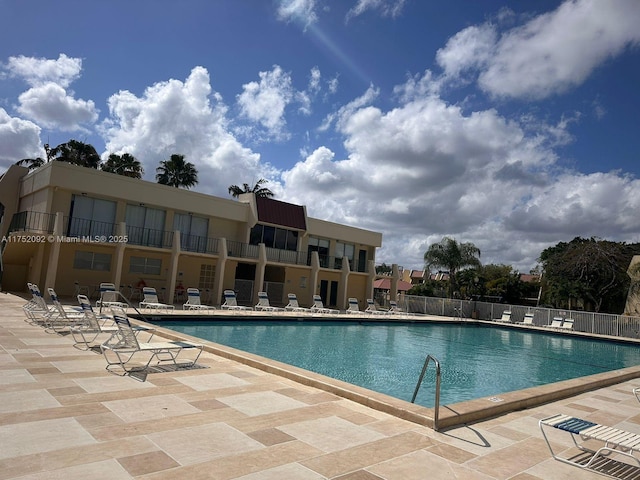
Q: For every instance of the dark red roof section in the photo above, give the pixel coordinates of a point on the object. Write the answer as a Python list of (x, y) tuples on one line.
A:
[(280, 213)]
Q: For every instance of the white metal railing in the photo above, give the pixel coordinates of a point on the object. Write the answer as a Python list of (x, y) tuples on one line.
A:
[(589, 322)]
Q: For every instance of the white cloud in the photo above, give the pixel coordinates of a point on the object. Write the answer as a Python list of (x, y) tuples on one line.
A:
[(18, 139), (178, 117), (50, 106), (265, 103), (387, 8), (427, 169), (559, 50), (39, 71), (302, 11), (469, 48)]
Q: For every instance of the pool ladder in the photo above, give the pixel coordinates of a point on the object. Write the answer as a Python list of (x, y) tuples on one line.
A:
[(436, 406)]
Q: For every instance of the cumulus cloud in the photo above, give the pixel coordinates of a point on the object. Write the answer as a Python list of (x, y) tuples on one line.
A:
[(39, 71), (559, 50), (51, 106), (48, 102), (265, 102), (182, 117), (549, 54), (18, 139)]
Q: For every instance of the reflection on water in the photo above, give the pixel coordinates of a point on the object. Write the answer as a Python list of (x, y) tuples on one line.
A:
[(476, 361)]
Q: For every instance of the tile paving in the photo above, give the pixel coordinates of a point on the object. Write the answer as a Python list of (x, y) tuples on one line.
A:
[(63, 416)]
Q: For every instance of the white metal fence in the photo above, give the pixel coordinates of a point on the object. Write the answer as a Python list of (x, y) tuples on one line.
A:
[(589, 322)]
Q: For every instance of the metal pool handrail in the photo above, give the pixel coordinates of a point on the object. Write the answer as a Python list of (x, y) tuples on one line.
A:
[(436, 407)]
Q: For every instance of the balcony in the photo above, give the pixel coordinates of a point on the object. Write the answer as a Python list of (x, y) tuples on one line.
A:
[(200, 244), (35, 222), (82, 227), (149, 237)]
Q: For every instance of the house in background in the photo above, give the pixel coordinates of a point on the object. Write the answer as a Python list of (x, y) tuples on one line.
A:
[(65, 224)]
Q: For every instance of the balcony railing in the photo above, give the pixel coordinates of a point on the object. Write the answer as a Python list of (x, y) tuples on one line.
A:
[(196, 243), (37, 222), (287, 256), (242, 250), (149, 237), (82, 227)]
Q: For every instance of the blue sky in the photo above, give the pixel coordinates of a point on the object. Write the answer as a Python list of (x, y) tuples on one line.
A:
[(509, 124)]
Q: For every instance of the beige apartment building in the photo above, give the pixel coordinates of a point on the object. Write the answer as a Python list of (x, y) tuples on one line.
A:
[(66, 226)]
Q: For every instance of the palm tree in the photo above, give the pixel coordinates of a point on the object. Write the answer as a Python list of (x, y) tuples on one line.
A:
[(176, 172), (257, 189), (453, 256), (125, 164), (33, 163), (76, 153)]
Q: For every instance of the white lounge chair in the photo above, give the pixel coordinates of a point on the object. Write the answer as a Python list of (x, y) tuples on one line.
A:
[(555, 323), (264, 304), (394, 309), (150, 300), (506, 317), (372, 309), (109, 297), (63, 318), (616, 443), (354, 307), (528, 319), (293, 305), (231, 302), (567, 324), (123, 347), (86, 332), (318, 306), (36, 309), (194, 301)]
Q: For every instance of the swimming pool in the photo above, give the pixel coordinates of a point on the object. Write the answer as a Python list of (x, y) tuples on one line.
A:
[(476, 360)]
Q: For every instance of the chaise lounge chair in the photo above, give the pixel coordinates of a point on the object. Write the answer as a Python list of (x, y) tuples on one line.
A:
[(63, 318), (264, 304), (372, 309), (616, 444), (293, 305), (556, 323), (318, 306), (86, 332), (109, 297), (36, 309), (354, 307), (231, 302), (123, 347), (528, 319), (567, 324), (194, 301), (506, 317), (150, 300), (394, 309)]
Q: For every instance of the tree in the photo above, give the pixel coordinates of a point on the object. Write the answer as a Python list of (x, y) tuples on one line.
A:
[(176, 172), (453, 256), (76, 153), (257, 189), (591, 270), (125, 164), (33, 163)]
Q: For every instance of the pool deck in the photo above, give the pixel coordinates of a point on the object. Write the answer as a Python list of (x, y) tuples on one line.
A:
[(62, 415)]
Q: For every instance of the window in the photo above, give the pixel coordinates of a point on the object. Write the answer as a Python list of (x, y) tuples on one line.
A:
[(207, 275), (145, 225), (84, 260), (145, 265), (320, 245), (91, 216), (193, 231), (274, 237), (344, 250)]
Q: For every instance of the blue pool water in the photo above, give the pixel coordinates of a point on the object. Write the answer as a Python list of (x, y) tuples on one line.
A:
[(476, 361)]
